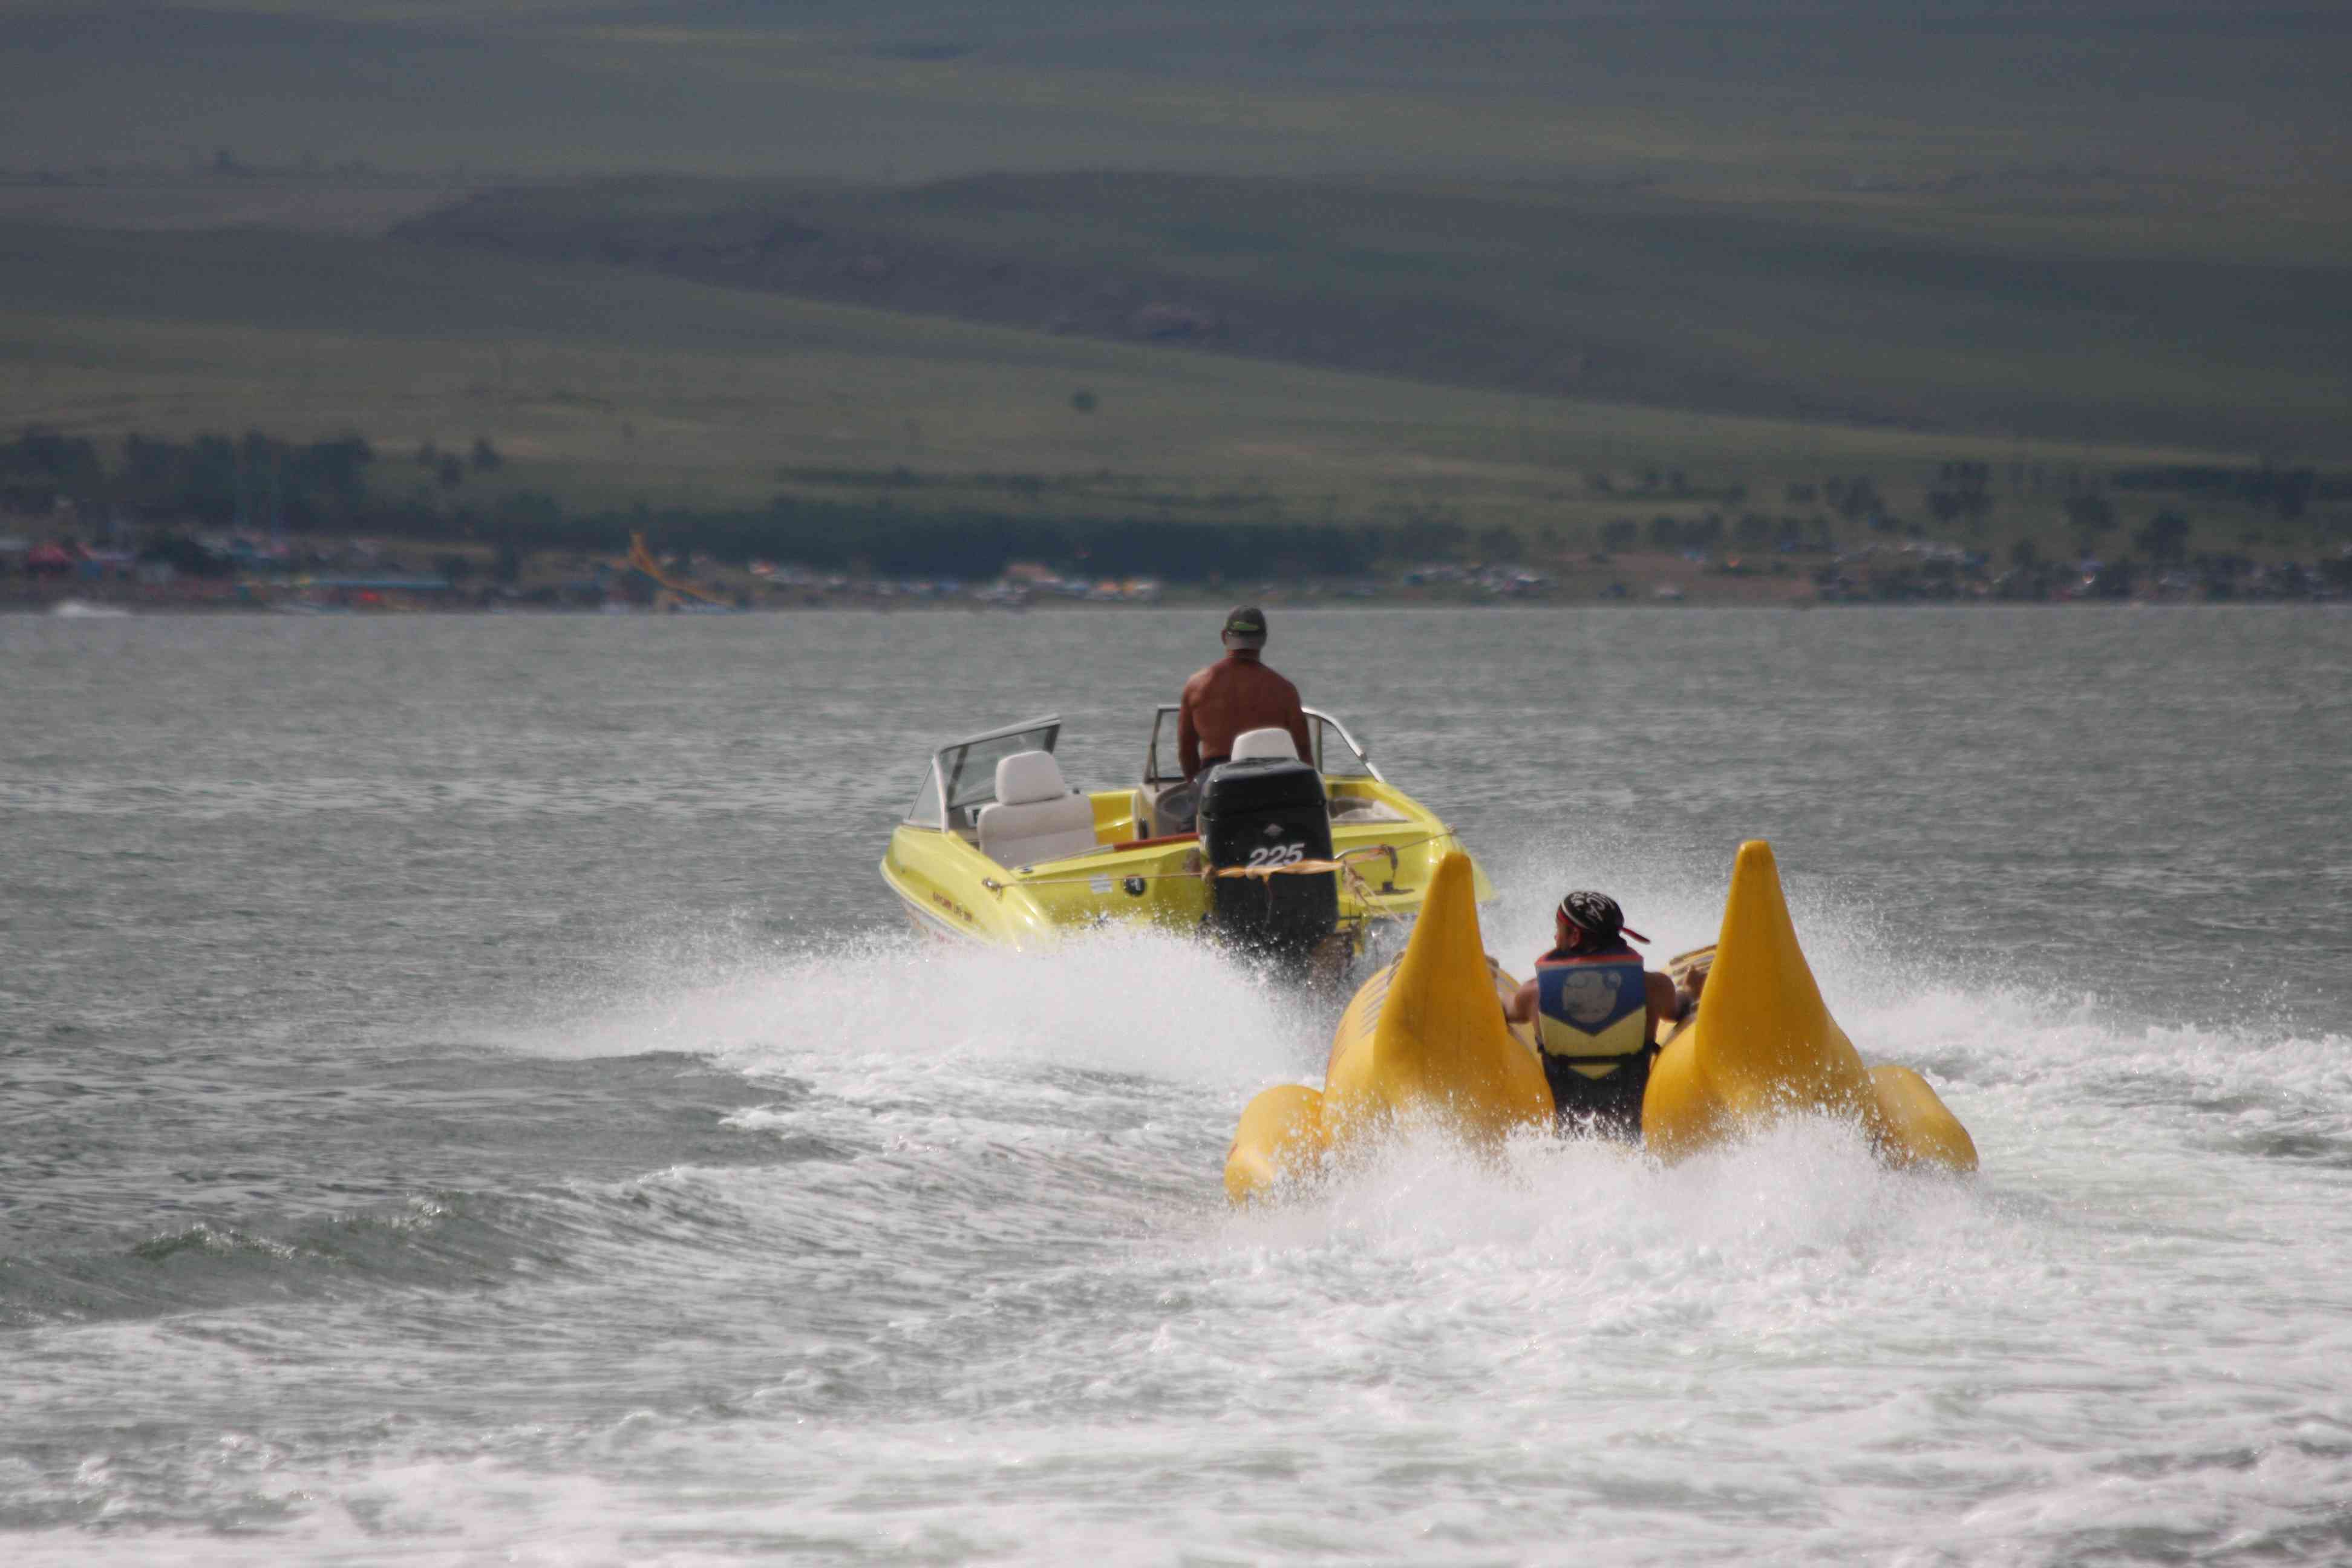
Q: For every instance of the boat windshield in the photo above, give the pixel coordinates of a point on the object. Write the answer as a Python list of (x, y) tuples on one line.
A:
[(1337, 755), (964, 775)]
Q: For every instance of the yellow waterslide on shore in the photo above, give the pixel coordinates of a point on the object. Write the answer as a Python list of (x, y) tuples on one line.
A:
[(641, 560), (1425, 1038)]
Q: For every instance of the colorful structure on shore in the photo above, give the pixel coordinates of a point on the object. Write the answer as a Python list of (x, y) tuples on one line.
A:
[(681, 595)]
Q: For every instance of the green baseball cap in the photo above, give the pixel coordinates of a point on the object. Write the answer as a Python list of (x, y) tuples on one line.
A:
[(1246, 627)]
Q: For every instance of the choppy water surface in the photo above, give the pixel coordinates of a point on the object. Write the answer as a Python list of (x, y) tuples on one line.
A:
[(465, 1097)]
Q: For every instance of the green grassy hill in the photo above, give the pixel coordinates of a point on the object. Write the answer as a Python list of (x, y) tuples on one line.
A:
[(1808, 96), (1315, 260), (1781, 310), (608, 387)]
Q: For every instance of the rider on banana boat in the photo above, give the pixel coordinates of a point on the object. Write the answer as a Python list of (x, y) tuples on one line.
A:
[(1229, 699), (1596, 1012)]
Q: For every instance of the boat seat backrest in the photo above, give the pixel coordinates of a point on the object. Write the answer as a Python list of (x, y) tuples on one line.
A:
[(1034, 817), (1270, 743)]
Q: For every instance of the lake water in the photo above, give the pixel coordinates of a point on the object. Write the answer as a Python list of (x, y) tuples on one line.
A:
[(466, 1097)]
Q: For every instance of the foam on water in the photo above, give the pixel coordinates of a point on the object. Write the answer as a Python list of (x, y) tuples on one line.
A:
[(984, 1299), (1008, 1307), (1779, 1352), (893, 1005), (437, 1178)]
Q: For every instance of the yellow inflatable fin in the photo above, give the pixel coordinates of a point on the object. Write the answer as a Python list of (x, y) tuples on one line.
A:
[(1281, 1134), (1916, 1128), (1424, 1035), (1428, 1035), (1764, 1045)]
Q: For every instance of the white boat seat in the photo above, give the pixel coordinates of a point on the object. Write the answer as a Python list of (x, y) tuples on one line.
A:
[(1034, 817), (1269, 742)]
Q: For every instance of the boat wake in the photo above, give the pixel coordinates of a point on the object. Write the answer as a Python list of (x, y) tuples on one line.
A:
[(968, 1281), (876, 1017), (1120, 1000)]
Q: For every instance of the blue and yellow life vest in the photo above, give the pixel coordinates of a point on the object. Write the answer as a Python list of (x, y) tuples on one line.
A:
[(1592, 1009)]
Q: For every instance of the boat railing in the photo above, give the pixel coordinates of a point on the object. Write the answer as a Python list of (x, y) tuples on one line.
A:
[(1348, 760)]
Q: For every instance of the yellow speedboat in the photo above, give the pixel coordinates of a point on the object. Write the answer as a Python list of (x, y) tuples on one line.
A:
[(1425, 1038), (1294, 856)]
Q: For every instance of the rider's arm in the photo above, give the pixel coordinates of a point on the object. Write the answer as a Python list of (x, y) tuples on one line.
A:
[(1188, 739), (1298, 732), (1521, 1007), (1666, 1004)]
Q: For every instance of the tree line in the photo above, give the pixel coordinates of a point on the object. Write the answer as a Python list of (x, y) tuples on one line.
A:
[(2288, 491), (217, 482), (258, 482)]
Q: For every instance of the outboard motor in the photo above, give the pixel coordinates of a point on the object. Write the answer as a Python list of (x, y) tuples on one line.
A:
[(1269, 812)]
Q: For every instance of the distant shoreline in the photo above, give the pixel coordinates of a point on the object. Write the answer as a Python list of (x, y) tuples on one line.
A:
[(95, 606)]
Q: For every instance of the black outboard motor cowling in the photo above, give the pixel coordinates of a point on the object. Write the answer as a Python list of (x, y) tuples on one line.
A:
[(1269, 812)]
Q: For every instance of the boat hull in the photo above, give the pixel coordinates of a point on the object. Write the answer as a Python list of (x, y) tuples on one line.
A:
[(949, 889)]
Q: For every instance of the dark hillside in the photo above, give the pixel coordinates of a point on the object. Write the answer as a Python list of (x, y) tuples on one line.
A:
[(1374, 259), (1821, 95), (1608, 295)]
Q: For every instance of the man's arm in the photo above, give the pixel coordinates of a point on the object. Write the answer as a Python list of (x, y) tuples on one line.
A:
[(1188, 739), (1295, 722), (1666, 1004), (1521, 1007)]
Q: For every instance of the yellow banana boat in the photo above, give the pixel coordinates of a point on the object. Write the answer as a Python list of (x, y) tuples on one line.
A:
[(1425, 1038)]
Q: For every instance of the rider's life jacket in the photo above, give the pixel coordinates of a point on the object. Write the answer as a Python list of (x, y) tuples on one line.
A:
[(1592, 1009)]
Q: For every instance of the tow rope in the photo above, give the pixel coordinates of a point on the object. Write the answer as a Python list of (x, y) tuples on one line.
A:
[(1344, 865)]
